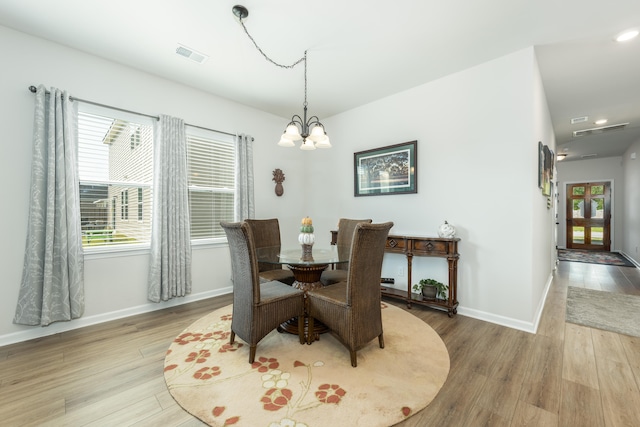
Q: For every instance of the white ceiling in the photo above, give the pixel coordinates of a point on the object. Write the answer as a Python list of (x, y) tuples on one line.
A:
[(362, 50)]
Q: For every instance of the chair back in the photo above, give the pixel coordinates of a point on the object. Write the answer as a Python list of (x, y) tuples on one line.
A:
[(365, 266), (266, 233), (346, 227), (244, 265)]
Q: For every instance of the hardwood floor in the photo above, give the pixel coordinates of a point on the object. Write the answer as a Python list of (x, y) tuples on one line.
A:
[(565, 375)]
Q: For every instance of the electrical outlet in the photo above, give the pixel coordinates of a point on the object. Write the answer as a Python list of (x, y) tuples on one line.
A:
[(400, 271)]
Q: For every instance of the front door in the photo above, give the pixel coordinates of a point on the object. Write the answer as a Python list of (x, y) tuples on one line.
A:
[(589, 216)]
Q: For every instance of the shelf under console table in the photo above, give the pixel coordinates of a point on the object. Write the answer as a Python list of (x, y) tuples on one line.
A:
[(412, 246)]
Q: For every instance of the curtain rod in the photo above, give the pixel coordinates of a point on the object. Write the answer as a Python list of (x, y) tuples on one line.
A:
[(73, 98)]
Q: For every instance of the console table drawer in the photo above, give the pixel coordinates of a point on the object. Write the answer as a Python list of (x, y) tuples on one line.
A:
[(397, 244), (431, 247)]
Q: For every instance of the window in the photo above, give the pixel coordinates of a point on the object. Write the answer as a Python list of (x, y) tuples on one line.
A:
[(115, 162), (140, 199), (211, 166), (112, 175), (124, 205)]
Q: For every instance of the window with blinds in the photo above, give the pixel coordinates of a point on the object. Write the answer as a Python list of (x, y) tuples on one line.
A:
[(115, 162), (211, 165), (115, 165)]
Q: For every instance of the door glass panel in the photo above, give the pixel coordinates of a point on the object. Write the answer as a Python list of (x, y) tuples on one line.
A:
[(578, 191), (578, 208), (597, 190), (597, 236), (578, 235), (597, 208)]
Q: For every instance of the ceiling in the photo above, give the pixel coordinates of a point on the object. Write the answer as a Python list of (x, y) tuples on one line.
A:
[(358, 53)]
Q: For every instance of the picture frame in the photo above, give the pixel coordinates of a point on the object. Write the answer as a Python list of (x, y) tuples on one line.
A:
[(392, 169), (547, 172), (540, 164)]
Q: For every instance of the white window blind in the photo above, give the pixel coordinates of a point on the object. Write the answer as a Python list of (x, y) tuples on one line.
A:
[(115, 163), (211, 165)]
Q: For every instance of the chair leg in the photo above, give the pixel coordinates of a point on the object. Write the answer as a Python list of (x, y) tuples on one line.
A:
[(354, 358), (310, 336), (252, 353), (301, 329), (381, 341), (233, 337)]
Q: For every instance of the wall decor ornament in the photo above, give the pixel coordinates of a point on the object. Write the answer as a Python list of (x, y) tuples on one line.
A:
[(278, 177), (446, 230), (387, 170)]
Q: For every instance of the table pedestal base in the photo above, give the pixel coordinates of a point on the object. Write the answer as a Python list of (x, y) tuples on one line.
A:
[(291, 326), (307, 278)]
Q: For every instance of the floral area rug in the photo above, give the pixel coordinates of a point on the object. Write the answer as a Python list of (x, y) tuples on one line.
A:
[(296, 385), (592, 257)]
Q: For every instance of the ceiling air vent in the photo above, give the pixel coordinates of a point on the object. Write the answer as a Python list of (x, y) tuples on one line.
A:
[(191, 54), (579, 120), (598, 130)]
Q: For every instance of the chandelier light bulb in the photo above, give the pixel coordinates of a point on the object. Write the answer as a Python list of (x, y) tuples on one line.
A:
[(285, 142), (325, 143), (307, 145), (317, 133), (293, 133)]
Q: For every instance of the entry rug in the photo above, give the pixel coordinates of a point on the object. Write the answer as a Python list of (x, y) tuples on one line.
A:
[(305, 385), (608, 311), (591, 257)]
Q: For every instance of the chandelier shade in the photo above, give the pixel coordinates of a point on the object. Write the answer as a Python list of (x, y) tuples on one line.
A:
[(310, 131)]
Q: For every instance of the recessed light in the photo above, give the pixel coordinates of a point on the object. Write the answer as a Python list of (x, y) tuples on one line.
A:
[(627, 35), (600, 122)]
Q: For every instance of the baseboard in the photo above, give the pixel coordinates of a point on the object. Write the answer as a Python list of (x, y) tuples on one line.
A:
[(58, 327), (633, 261), (530, 327)]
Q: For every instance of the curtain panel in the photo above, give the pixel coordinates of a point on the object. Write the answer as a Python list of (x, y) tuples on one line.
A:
[(244, 200), (170, 259), (52, 286)]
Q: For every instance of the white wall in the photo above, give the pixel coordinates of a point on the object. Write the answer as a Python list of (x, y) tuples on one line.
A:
[(593, 170), (631, 211), (465, 124), (477, 133), (116, 286)]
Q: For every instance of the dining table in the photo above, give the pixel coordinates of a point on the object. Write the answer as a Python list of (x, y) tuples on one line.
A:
[(307, 269), (307, 266)]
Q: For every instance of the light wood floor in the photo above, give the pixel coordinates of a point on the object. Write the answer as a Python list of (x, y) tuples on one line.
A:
[(565, 375)]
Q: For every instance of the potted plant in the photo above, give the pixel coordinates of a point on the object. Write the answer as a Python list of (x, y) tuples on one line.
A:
[(431, 289)]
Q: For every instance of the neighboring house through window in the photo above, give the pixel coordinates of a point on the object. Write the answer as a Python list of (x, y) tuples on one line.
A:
[(115, 156)]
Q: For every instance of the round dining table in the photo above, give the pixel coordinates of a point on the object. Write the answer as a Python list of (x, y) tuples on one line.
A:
[(307, 270)]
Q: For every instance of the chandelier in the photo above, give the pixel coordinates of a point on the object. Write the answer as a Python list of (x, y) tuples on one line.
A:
[(308, 130)]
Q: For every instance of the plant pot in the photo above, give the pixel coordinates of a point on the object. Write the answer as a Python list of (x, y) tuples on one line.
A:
[(429, 292)]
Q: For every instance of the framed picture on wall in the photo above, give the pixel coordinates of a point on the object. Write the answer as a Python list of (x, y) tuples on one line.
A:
[(546, 175), (540, 164), (386, 170)]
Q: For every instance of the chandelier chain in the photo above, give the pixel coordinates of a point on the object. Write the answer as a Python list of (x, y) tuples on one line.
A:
[(304, 58)]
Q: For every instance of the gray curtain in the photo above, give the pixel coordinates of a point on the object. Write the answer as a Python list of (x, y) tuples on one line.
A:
[(244, 205), (52, 287), (170, 261)]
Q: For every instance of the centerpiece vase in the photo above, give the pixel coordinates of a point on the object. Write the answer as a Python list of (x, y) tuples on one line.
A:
[(307, 240)]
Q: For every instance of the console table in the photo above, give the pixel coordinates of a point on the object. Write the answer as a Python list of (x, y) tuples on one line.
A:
[(412, 246)]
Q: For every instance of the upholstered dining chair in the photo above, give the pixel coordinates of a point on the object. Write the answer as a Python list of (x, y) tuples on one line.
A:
[(266, 233), (346, 228), (258, 308), (352, 309)]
